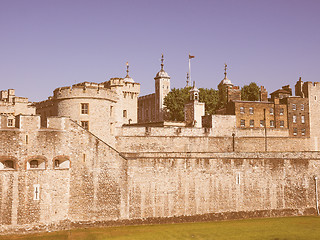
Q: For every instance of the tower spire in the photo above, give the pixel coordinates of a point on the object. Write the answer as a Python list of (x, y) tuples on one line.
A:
[(162, 59), (225, 71), (127, 69)]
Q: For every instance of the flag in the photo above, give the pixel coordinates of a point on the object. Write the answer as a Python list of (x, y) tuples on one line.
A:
[(190, 56)]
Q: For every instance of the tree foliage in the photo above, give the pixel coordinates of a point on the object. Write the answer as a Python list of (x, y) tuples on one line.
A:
[(250, 92), (175, 101), (210, 97), (178, 97)]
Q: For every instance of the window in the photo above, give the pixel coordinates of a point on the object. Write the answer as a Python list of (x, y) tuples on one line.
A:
[(261, 123), (295, 132), (242, 110), (242, 123), (303, 132), (84, 108), (251, 110), (302, 119), (56, 163), (124, 113), (251, 123), (238, 179), (34, 164), (36, 192), (10, 122), (294, 118), (302, 107), (294, 107), (281, 111), (281, 123), (85, 125), (111, 111), (271, 123), (7, 165), (271, 111), (61, 162)]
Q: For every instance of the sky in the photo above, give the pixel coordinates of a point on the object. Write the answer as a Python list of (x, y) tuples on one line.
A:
[(46, 44)]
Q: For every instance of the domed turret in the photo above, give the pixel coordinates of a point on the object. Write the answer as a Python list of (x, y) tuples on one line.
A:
[(226, 81), (128, 78), (162, 73)]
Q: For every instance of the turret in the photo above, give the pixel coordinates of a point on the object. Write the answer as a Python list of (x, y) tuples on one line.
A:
[(162, 88)]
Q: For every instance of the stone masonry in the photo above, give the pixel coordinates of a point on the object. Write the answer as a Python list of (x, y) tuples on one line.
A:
[(82, 158)]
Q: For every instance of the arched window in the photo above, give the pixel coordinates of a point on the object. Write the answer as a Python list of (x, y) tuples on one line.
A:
[(34, 164), (61, 162), (7, 164)]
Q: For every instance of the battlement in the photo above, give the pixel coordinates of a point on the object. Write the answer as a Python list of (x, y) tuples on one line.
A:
[(131, 87), (216, 131), (85, 90)]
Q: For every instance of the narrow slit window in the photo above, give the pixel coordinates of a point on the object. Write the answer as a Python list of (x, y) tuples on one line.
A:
[(56, 163), (36, 192), (238, 180)]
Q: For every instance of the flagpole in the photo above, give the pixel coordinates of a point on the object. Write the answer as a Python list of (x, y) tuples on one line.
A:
[(189, 68)]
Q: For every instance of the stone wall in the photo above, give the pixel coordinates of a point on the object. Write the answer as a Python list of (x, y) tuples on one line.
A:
[(152, 178), (181, 184), (91, 187)]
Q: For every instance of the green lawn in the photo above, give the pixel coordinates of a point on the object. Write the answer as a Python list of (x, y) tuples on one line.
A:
[(271, 229)]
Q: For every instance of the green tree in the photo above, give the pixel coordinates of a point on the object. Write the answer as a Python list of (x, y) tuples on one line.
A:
[(174, 103), (210, 97), (178, 97), (250, 92)]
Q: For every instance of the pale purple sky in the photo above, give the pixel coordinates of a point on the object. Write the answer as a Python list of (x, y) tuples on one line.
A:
[(47, 44)]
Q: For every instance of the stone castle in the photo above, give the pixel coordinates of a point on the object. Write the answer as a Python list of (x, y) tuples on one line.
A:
[(98, 154)]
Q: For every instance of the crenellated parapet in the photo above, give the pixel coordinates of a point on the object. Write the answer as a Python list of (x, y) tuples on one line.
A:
[(118, 84), (85, 90)]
